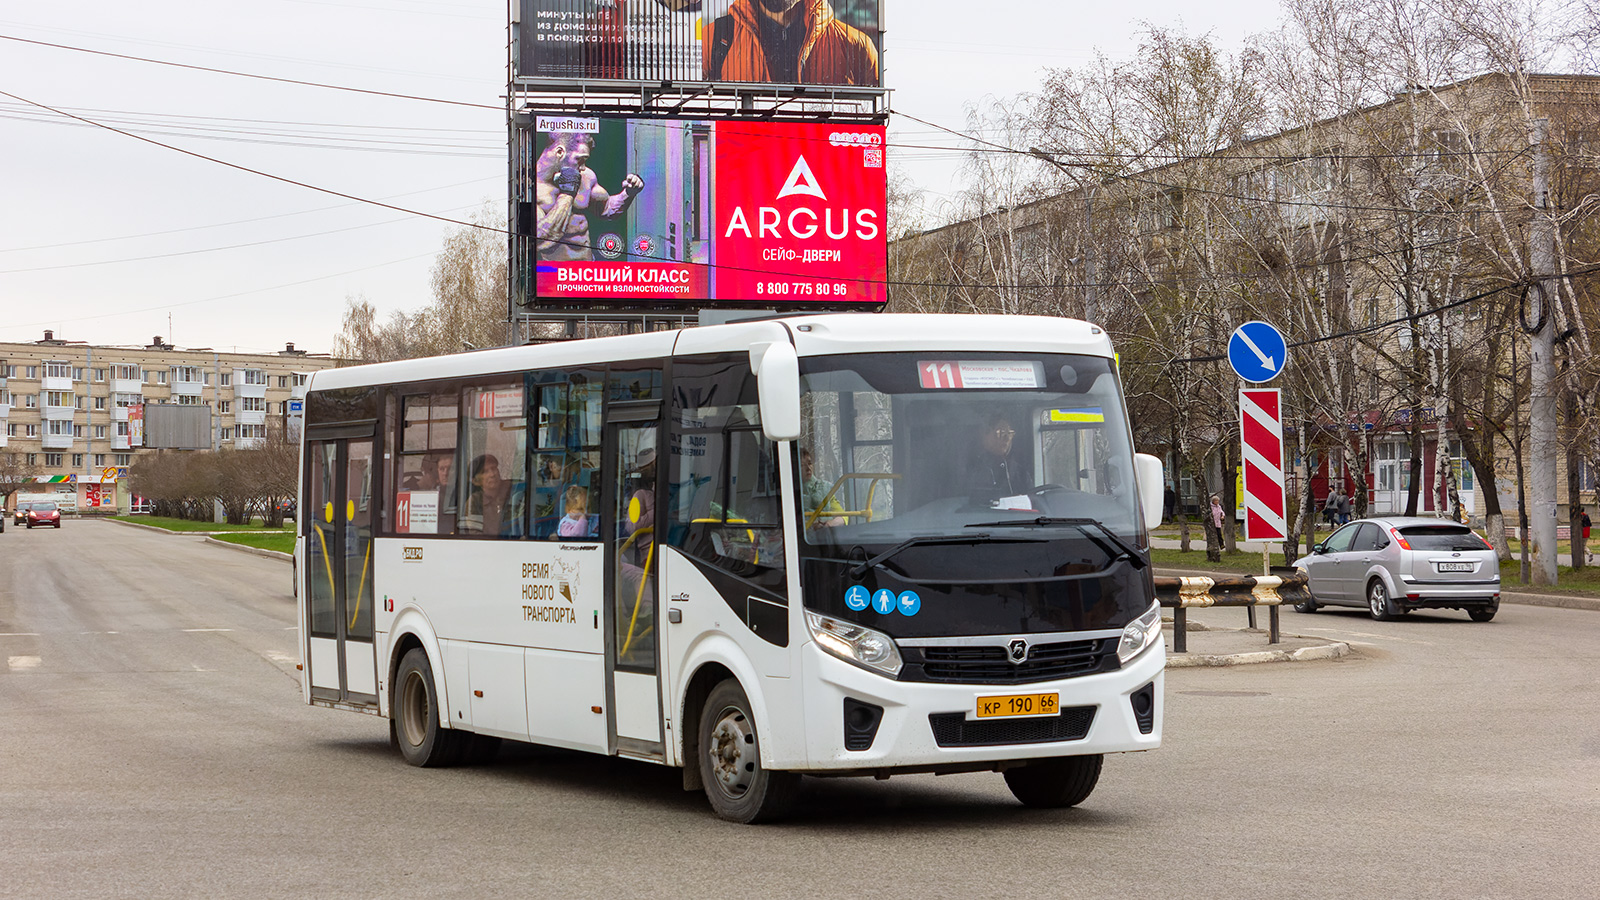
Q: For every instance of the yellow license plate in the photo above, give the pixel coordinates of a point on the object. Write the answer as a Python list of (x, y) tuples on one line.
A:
[(1019, 705)]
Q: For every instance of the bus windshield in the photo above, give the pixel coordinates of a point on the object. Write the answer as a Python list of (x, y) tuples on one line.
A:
[(903, 445)]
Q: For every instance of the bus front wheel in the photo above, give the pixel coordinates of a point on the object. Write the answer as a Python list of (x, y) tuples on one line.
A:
[(1055, 783), (739, 789), (415, 708)]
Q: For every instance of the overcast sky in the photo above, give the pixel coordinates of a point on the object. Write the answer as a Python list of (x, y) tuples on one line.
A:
[(108, 239)]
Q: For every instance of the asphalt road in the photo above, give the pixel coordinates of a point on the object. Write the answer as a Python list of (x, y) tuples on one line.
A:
[(153, 744)]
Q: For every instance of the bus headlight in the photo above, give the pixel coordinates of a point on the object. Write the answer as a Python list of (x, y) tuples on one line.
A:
[(855, 643), (1139, 634)]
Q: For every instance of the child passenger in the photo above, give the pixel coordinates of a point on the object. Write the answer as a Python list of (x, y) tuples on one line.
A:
[(576, 522)]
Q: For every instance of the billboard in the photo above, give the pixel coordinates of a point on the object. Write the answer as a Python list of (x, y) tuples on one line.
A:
[(664, 212), (813, 42)]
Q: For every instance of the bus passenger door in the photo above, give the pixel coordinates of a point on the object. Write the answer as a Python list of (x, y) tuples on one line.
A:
[(633, 568), (337, 519)]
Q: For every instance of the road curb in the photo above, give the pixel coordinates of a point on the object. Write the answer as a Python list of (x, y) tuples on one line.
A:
[(269, 554), (1324, 649)]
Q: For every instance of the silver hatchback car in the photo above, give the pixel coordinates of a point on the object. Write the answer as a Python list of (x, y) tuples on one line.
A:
[(1393, 566)]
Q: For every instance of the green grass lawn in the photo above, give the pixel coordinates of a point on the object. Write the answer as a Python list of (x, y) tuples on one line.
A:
[(172, 524), (283, 543)]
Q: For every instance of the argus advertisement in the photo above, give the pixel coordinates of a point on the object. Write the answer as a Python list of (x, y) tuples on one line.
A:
[(660, 212), (811, 42)]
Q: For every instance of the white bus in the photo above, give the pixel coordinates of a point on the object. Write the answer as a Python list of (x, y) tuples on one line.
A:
[(816, 545)]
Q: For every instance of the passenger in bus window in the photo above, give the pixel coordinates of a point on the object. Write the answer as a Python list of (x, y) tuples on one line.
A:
[(486, 505), (576, 522)]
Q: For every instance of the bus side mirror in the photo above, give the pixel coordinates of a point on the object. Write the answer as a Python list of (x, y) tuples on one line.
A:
[(1152, 480), (777, 371)]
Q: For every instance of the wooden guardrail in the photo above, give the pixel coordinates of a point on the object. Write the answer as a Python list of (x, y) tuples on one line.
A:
[(1181, 594)]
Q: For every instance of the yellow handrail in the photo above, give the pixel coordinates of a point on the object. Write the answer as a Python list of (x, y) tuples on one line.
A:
[(638, 600), (872, 488)]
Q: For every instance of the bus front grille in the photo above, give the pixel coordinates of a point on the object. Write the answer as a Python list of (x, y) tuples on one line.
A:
[(991, 665), (954, 730)]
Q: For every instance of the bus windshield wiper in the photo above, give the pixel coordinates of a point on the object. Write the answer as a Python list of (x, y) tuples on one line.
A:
[(1087, 526), (860, 569)]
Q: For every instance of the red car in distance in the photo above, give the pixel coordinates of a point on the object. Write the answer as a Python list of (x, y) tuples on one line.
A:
[(44, 514)]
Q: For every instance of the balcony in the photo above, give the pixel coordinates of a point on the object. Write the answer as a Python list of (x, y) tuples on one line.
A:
[(55, 384), (246, 417), (119, 414), (248, 443), (55, 441), (127, 386), (248, 390), (188, 388), (56, 413), (121, 442)]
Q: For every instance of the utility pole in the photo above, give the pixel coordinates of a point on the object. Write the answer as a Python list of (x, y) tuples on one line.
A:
[(1542, 377)]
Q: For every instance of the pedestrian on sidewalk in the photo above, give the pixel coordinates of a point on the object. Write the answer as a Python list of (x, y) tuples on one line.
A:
[(1216, 513), (1330, 509), (1583, 522), (1344, 508)]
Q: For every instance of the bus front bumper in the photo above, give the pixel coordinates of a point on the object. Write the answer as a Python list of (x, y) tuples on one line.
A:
[(925, 726)]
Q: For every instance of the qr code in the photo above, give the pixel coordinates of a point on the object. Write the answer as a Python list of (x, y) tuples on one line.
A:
[(872, 158)]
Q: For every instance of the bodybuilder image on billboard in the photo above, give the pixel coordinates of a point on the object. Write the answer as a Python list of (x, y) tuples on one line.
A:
[(568, 192)]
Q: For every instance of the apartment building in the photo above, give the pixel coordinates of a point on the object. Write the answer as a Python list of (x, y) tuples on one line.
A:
[(74, 412)]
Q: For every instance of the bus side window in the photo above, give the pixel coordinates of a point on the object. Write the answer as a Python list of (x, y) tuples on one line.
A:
[(425, 467), (566, 418), (494, 482)]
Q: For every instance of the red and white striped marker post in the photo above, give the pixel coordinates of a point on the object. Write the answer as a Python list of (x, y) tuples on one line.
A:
[(1261, 427)]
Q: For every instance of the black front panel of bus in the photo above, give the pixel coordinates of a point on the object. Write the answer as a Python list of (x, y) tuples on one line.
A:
[(1073, 596)]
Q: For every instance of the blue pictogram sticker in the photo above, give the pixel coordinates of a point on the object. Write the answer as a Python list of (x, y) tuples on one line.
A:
[(910, 603), (857, 598), (883, 601)]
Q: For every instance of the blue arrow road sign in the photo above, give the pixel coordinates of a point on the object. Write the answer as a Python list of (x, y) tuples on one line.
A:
[(1257, 352)]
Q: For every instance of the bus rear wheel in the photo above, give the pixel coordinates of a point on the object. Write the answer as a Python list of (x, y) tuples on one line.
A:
[(1055, 783), (415, 708), (739, 789)]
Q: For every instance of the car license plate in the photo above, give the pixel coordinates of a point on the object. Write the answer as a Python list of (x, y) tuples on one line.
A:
[(1015, 705), (1455, 567)]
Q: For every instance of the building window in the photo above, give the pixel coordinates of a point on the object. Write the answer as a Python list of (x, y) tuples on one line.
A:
[(252, 404), (30, 401), (225, 379), (11, 371), (59, 428), (99, 432), (248, 432), (189, 400), (121, 459), (99, 374), (99, 403), (227, 434), (126, 400), (125, 373), (299, 379), (57, 369), (77, 373), (5, 397), (99, 460), (77, 431), (31, 459), (255, 376), (57, 398), (77, 460), (187, 374), (30, 431), (77, 401), (52, 460), (32, 372), (283, 381), (11, 429), (225, 406)]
